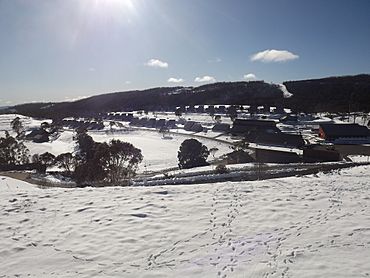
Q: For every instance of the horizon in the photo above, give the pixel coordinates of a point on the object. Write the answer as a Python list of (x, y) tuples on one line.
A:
[(54, 51)]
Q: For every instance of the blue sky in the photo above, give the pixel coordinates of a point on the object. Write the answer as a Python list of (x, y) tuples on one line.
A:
[(55, 50)]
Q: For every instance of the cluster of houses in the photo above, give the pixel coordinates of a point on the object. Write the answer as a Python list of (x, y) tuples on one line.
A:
[(210, 109), (340, 141), (82, 124), (271, 143), (41, 134), (153, 123)]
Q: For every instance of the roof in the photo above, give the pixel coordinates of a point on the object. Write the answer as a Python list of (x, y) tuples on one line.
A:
[(345, 130), (243, 126), (280, 139), (249, 122)]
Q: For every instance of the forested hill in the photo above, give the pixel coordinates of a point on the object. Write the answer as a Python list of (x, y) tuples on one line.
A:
[(256, 92), (333, 94)]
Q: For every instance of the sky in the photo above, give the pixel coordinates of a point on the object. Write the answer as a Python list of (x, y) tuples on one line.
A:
[(62, 50)]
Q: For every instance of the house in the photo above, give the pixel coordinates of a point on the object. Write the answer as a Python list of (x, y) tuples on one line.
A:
[(221, 127), (210, 109), (332, 132), (160, 123), (221, 109), (274, 156), (200, 109), (276, 139), (237, 157), (313, 155), (266, 108), (171, 124), (190, 109), (151, 123), (253, 109), (38, 136), (139, 122), (279, 109), (243, 126), (95, 126), (290, 118), (193, 126)]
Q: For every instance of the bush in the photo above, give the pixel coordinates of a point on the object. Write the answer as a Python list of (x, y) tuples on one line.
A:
[(192, 153), (221, 169), (65, 161)]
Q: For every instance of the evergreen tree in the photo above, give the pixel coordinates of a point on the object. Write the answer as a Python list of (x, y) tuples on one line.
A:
[(192, 153), (12, 152)]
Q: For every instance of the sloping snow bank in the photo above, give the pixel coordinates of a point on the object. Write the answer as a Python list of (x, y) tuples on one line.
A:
[(314, 226)]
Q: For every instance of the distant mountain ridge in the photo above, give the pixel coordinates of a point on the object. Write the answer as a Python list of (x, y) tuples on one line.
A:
[(332, 94), (163, 98)]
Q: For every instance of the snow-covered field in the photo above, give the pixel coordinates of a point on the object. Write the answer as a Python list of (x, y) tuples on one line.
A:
[(28, 122), (314, 226), (64, 143), (158, 153)]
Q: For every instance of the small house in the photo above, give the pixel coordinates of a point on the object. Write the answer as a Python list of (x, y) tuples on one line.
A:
[(221, 127), (151, 123), (312, 155), (275, 156), (244, 126), (38, 136), (276, 138), (193, 126), (160, 123), (332, 132), (290, 118), (171, 124)]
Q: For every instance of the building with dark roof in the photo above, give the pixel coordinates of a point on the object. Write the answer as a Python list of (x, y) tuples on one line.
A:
[(313, 155), (244, 126), (193, 126), (221, 127), (38, 136), (171, 124), (331, 132), (276, 139), (274, 156)]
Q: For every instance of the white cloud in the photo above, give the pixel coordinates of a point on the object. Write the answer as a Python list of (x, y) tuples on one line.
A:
[(175, 80), (205, 78), (250, 76), (155, 63), (215, 60), (272, 55)]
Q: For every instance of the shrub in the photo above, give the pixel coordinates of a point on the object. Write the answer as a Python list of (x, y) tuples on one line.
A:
[(221, 169), (192, 153)]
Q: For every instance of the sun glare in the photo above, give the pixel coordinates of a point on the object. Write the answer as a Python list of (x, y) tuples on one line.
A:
[(116, 4), (121, 11)]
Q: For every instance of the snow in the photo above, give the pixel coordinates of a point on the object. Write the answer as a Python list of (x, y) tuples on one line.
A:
[(28, 122), (158, 153), (63, 144), (313, 226)]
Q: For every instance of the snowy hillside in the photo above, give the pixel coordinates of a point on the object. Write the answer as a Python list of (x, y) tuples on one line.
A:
[(314, 226)]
